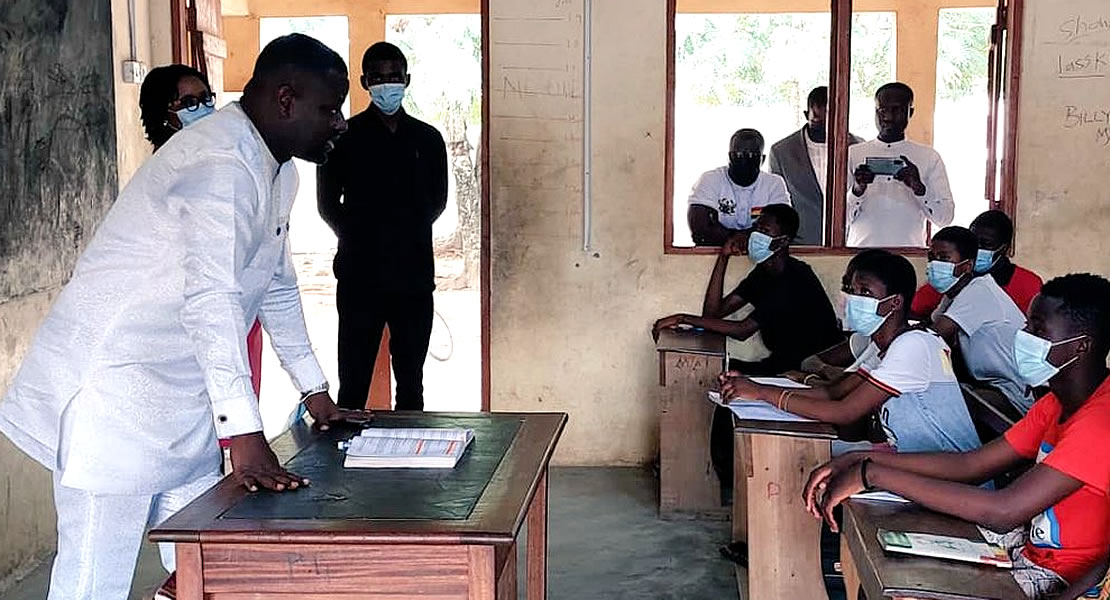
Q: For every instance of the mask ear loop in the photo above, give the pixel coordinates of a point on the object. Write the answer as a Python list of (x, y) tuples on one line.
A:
[(1067, 341)]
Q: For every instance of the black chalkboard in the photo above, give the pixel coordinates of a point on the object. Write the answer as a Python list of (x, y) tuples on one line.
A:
[(58, 172)]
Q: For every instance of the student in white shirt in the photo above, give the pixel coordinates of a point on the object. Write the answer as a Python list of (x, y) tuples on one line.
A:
[(891, 210), (141, 363), (727, 200), (976, 317)]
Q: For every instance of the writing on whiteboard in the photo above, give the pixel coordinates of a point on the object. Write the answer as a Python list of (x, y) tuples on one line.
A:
[(1095, 120), (1083, 65), (1079, 27)]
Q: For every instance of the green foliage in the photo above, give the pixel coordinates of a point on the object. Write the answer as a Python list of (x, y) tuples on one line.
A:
[(962, 52), (444, 53)]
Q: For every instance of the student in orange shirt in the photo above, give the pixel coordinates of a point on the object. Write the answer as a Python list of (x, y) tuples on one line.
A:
[(1055, 519), (995, 232)]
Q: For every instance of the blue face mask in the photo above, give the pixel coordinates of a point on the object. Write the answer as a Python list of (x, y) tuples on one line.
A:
[(984, 260), (1031, 358), (759, 247), (387, 96), (188, 117), (941, 276), (861, 313)]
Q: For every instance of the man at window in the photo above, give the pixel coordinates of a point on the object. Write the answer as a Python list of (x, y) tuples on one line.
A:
[(802, 159), (897, 185), (727, 199)]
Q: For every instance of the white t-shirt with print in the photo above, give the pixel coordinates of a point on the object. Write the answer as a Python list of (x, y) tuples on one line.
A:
[(734, 204), (988, 320), (926, 411)]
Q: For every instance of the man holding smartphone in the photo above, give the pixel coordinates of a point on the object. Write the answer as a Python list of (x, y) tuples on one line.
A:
[(898, 185)]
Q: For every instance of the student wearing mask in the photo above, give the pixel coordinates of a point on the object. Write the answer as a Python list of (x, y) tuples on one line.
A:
[(725, 201), (1054, 519), (380, 191), (898, 185), (994, 232), (906, 374), (792, 313), (975, 317), (802, 160)]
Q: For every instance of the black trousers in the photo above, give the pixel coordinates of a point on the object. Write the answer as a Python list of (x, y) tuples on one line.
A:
[(364, 310)]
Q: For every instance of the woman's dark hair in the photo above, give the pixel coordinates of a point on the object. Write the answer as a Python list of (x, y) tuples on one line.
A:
[(158, 92)]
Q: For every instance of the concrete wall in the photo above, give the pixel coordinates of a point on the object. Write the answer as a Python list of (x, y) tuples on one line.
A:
[(26, 501)]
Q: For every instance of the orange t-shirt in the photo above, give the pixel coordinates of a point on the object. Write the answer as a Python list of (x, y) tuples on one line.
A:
[(1073, 535), (1022, 288)]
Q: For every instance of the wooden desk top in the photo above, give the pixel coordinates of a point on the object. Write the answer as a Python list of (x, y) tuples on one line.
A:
[(802, 429), (495, 518), (886, 575), (691, 342)]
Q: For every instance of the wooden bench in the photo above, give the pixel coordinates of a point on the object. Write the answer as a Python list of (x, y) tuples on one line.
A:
[(773, 460), (880, 575), (689, 363)]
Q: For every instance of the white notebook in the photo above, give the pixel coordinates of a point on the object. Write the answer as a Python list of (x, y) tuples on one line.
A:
[(407, 448), (946, 547), (756, 410)]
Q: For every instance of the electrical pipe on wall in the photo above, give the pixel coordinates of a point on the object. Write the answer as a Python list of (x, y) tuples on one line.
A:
[(587, 159)]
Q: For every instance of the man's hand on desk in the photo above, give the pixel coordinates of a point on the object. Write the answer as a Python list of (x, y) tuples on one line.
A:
[(823, 481), (736, 386), (324, 412), (255, 466), (841, 487)]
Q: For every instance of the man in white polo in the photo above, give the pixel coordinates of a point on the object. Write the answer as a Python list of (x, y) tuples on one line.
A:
[(898, 185), (726, 201)]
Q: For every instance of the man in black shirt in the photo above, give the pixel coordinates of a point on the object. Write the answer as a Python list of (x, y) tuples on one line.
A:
[(383, 186), (792, 312)]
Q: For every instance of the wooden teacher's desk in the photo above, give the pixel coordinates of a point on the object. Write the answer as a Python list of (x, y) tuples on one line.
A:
[(689, 363), (382, 534)]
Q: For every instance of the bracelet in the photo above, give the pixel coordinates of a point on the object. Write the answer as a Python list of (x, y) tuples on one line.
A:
[(805, 379), (863, 475), (323, 387), (784, 397)]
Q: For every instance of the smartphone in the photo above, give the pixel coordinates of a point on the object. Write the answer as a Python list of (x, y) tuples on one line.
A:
[(885, 165)]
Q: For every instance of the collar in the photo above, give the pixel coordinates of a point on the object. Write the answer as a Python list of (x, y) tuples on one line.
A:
[(270, 163)]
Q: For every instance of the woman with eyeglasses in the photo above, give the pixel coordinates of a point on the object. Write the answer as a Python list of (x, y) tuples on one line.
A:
[(172, 98)]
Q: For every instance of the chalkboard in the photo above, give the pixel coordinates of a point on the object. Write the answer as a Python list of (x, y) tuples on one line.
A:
[(57, 137), (1064, 136)]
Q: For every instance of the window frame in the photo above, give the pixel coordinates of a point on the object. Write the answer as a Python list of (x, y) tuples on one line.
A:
[(1009, 25)]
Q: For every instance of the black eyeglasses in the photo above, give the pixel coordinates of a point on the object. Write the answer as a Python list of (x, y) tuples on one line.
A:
[(192, 103), (750, 154)]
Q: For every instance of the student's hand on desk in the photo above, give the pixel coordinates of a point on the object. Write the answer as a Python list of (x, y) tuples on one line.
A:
[(820, 477), (255, 466), (840, 488), (668, 323), (738, 386)]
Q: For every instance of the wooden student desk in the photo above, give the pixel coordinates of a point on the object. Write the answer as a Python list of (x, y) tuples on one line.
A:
[(689, 363), (382, 534), (883, 575), (773, 460)]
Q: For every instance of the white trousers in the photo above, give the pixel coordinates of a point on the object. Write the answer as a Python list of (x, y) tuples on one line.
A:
[(99, 536)]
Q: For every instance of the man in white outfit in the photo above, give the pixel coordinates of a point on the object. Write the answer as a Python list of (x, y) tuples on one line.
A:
[(141, 363), (898, 185)]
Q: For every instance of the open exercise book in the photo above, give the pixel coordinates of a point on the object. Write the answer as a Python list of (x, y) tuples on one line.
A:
[(943, 546), (757, 409), (383, 448)]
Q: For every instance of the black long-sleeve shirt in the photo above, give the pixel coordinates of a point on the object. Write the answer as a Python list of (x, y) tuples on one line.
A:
[(393, 186)]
